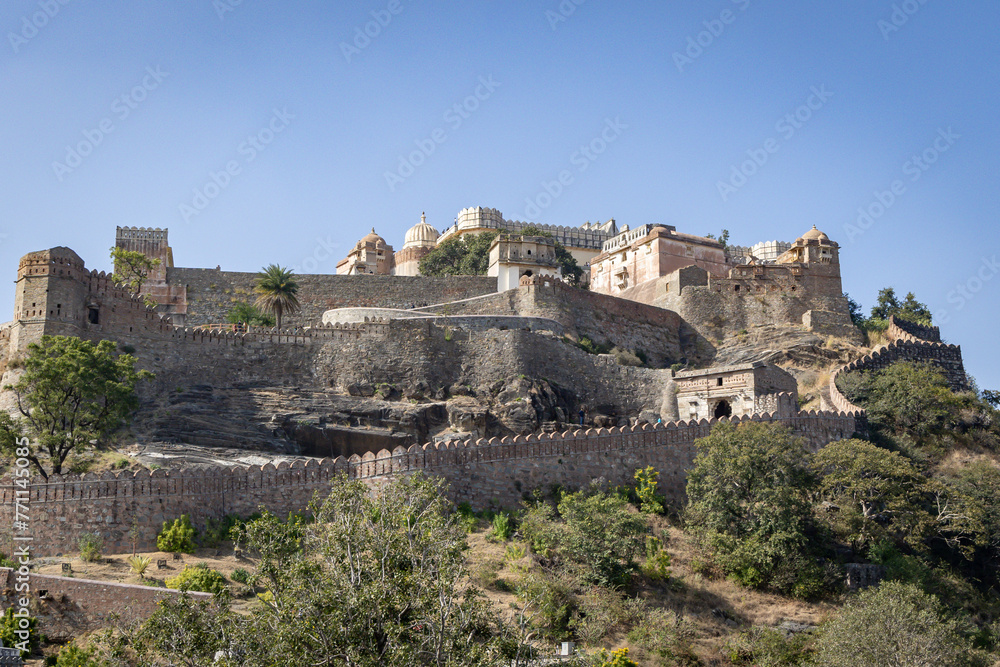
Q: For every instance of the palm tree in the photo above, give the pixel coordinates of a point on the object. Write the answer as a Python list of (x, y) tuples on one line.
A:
[(277, 288)]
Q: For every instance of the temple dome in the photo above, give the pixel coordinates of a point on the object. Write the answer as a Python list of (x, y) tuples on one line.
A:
[(372, 238), (421, 235), (815, 235)]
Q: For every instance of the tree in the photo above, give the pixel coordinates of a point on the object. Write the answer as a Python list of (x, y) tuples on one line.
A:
[(910, 309), (907, 397), (445, 259), (977, 496), (373, 579), (748, 506), (894, 625), (877, 494), (887, 304), (469, 255), (72, 395), (249, 315), (914, 311), (857, 316), (132, 269), (991, 397), (277, 291), (593, 534), (722, 238)]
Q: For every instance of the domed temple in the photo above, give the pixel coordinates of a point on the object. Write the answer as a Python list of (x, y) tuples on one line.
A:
[(420, 240)]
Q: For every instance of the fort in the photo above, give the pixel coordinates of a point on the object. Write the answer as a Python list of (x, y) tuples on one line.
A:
[(478, 379)]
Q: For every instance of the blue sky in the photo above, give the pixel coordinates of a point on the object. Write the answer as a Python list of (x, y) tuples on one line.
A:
[(264, 132)]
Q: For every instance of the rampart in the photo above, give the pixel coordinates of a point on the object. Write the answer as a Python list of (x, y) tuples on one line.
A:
[(482, 472), (908, 342), (71, 606)]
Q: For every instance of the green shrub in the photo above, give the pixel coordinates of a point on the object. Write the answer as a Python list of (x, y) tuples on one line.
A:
[(590, 347), (467, 518), (218, 530), (240, 576), (597, 534), (177, 537), (626, 358), (617, 658), (139, 564), (8, 562), (657, 565), (662, 632), (555, 604), (198, 578), (650, 501), (91, 547), (502, 527), (764, 647), (72, 655), (9, 627), (894, 624)]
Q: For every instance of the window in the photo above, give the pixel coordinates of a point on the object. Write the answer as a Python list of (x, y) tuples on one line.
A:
[(94, 316), (718, 382)]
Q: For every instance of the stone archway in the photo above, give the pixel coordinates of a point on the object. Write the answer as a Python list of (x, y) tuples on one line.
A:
[(723, 409)]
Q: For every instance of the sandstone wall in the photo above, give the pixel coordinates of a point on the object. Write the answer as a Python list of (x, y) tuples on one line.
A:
[(908, 342), (211, 293), (483, 472), (74, 606), (626, 324)]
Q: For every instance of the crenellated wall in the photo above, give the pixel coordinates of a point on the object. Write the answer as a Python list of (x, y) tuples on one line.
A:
[(482, 472), (908, 342)]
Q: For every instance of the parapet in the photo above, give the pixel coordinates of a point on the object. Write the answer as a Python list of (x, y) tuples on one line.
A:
[(154, 234)]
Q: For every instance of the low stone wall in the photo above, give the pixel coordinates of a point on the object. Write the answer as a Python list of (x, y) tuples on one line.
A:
[(70, 606), (482, 472)]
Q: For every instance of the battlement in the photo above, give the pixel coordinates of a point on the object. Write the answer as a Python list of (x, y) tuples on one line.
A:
[(911, 331), (480, 471), (907, 343), (589, 236), (59, 261), (144, 234)]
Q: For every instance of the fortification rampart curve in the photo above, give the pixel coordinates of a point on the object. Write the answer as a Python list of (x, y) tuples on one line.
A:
[(907, 342)]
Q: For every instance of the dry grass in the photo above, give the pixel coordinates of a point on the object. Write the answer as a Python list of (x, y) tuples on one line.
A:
[(715, 607), (116, 568)]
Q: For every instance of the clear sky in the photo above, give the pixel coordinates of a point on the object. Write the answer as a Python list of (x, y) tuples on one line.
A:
[(260, 131)]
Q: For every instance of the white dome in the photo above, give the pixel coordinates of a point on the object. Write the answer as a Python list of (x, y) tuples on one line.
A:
[(421, 235)]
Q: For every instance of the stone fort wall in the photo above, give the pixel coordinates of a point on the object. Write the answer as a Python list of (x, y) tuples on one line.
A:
[(212, 293), (71, 606), (908, 342), (482, 472), (629, 325)]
